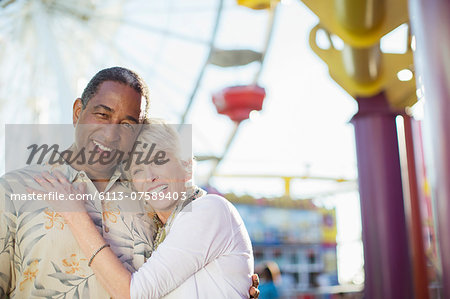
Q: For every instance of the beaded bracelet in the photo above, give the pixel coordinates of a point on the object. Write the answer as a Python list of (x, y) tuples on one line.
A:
[(96, 252)]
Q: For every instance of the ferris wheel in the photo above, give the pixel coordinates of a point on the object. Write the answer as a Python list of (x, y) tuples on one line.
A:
[(50, 48)]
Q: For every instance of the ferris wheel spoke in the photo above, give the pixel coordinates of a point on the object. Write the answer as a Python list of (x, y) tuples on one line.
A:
[(159, 31), (7, 3), (173, 68), (105, 41), (18, 27), (190, 10), (171, 8), (144, 65), (15, 80), (7, 22), (211, 43), (71, 9), (169, 83)]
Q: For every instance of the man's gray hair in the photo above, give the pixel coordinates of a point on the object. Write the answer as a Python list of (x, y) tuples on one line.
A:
[(120, 75)]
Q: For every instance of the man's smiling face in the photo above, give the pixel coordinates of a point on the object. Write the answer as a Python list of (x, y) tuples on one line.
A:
[(108, 123)]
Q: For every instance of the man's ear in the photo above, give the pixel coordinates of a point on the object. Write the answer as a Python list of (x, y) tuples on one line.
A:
[(77, 108)]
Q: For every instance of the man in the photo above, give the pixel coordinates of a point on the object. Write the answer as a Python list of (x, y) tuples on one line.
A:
[(39, 256)]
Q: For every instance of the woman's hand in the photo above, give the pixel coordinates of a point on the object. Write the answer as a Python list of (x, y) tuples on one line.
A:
[(254, 291), (60, 193), (108, 269)]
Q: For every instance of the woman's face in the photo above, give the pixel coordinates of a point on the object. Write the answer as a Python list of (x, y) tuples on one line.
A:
[(163, 184)]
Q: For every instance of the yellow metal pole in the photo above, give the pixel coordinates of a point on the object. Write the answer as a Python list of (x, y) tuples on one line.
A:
[(362, 64), (360, 16), (287, 186)]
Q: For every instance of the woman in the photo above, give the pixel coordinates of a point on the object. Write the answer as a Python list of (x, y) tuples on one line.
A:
[(201, 248)]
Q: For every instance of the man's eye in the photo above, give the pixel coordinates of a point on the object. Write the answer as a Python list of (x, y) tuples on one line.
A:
[(102, 115), (128, 126)]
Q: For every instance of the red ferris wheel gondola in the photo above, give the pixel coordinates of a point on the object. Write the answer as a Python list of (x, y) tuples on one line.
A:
[(238, 101)]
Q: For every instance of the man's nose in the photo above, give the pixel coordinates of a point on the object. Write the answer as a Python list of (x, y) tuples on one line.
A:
[(111, 133)]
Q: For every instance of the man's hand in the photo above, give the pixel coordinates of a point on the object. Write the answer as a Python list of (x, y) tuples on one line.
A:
[(254, 292)]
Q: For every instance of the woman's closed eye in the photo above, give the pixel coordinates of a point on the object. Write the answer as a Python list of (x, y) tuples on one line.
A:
[(136, 171)]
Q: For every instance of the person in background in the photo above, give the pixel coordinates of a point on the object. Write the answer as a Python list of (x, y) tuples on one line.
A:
[(269, 274)]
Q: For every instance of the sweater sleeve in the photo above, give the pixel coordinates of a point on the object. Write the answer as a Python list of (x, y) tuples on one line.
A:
[(198, 236)]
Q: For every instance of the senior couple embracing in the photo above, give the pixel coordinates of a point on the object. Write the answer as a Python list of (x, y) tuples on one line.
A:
[(161, 236)]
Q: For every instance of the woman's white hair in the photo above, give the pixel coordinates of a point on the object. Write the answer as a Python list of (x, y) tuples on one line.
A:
[(166, 138)]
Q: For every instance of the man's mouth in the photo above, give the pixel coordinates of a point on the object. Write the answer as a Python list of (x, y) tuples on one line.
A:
[(102, 147), (159, 188)]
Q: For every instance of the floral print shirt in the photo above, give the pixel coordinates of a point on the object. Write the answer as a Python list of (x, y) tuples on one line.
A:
[(40, 258)]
